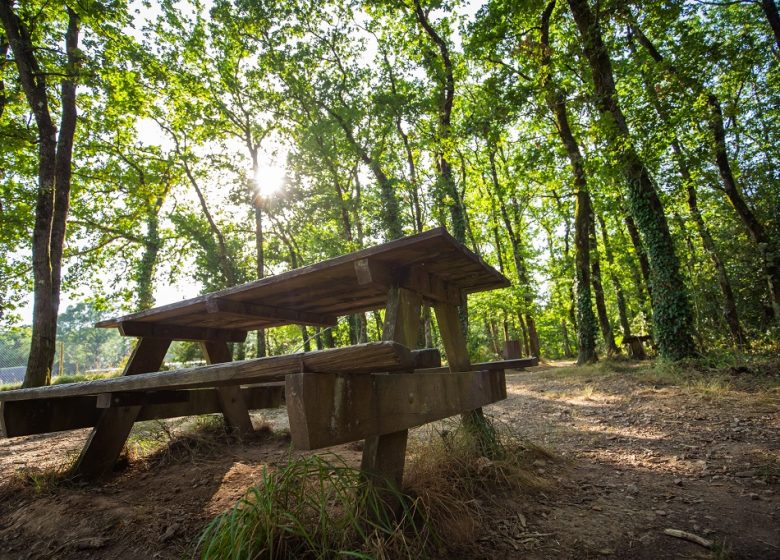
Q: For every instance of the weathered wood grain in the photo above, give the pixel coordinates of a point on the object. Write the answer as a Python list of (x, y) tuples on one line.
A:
[(337, 286), (179, 332), (41, 416), (519, 363), (329, 409), (362, 358), (108, 437), (231, 402), (263, 312)]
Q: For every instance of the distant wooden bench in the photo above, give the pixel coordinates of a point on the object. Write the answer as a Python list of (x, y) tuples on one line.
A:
[(635, 345), (374, 391)]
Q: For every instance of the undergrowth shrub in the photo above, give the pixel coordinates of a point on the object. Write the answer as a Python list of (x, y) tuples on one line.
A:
[(458, 486), (319, 507), (316, 507)]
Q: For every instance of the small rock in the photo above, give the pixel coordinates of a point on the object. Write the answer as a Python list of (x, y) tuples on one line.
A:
[(596, 508), (660, 512), (94, 542), (170, 532), (678, 481), (540, 463), (754, 496)]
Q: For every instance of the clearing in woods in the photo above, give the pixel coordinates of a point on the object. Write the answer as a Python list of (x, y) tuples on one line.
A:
[(643, 452)]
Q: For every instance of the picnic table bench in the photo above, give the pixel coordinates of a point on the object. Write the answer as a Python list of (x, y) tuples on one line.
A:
[(374, 391)]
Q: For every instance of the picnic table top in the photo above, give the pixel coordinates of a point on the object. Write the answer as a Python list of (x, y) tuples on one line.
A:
[(431, 263)]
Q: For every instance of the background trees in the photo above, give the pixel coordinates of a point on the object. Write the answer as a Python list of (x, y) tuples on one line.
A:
[(617, 164)]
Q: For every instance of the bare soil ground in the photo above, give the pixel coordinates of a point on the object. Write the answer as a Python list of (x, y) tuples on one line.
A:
[(640, 455)]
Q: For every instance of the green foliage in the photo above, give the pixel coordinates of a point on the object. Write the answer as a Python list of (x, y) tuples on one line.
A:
[(181, 106)]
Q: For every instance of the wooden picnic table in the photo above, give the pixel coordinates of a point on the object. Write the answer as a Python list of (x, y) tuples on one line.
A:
[(372, 391)]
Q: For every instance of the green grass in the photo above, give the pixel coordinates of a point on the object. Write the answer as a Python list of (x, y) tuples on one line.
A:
[(317, 507), (320, 507)]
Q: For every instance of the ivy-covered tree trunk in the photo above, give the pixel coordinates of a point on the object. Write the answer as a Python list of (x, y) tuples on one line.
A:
[(730, 312), (769, 251), (144, 277), (55, 152), (672, 315), (586, 322)]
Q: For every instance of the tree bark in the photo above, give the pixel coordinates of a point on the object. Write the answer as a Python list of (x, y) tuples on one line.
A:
[(446, 79), (672, 315), (54, 173), (598, 289), (770, 254), (621, 298), (556, 102), (770, 10)]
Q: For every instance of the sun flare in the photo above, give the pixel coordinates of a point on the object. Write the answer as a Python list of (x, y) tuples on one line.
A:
[(269, 180)]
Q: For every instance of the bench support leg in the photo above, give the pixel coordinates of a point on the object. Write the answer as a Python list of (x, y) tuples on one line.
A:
[(454, 341), (109, 435), (384, 456), (232, 402)]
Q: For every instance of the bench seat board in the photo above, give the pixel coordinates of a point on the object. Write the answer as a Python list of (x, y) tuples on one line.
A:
[(370, 357), (40, 416), (329, 409)]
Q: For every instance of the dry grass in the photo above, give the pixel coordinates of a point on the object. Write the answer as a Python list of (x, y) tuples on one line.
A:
[(459, 487)]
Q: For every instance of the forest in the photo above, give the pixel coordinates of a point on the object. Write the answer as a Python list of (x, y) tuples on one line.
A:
[(617, 160)]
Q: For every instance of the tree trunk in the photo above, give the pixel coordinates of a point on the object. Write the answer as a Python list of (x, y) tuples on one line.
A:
[(770, 10), (621, 299), (586, 332), (598, 289), (644, 264), (54, 174), (770, 254), (522, 272), (671, 307)]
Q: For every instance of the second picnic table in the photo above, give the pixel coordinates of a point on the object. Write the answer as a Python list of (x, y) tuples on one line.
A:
[(374, 391)]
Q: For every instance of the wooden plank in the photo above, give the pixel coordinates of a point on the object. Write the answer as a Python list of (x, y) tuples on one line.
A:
[(479, 366), (107, 439), (361, 358), (384, 454), (265, 312), (179, 332), (41, 416), (234, 409), (107, 400), (329, 409), (431, 286), (454, 342), (436, 250)]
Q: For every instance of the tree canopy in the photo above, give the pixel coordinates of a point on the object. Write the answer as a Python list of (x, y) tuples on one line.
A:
[(617, 160)]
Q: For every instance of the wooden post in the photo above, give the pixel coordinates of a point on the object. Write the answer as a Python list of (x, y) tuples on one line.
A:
[(455, 347), (231, 401), (108, 437), (384, 456), (511, 349)]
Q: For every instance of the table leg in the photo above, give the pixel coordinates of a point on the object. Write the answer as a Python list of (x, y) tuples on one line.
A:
[(232, 402), (383, 456), (109, 435), (455, 347)]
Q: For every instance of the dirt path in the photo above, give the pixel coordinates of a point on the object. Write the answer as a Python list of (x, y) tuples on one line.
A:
[(640, 458)]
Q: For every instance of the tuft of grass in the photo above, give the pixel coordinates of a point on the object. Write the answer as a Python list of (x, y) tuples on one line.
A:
[(10, 386), (317, 507), (458, 486), (45, 480)]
